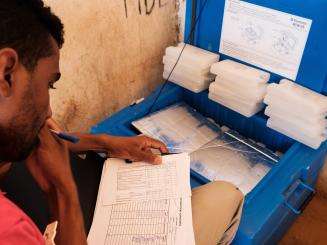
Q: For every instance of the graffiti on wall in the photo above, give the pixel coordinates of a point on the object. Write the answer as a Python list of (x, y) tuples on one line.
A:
[(146, 7)]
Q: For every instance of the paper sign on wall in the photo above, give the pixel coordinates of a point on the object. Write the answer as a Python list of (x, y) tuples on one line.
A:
[(266, 38)]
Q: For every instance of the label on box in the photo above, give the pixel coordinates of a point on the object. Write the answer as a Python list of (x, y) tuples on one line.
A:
[(266, 38)]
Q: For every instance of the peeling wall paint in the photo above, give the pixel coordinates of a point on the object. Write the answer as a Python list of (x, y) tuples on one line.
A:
[(112, 55)]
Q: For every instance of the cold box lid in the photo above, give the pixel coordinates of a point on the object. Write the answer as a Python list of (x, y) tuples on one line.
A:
[(312, 72)]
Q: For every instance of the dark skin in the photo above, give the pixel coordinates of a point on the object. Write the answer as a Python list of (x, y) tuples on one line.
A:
[(25, 123), (131, 148)]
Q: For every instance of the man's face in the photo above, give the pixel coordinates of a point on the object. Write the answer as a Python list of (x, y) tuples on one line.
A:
[(24, 112)]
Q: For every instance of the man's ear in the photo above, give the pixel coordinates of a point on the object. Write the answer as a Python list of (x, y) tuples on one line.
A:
[(8, 64)]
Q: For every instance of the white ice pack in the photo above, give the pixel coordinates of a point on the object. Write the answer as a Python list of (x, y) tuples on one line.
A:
[(255, 94), (234, 71), (239, 106), (192, 54), (310, 103), (313, 142)]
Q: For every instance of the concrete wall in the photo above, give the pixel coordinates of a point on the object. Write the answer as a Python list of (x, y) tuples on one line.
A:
[(112, 55)]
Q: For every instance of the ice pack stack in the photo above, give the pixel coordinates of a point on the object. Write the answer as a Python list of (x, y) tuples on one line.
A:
[(239, 87), (297, 112), (193, 68)]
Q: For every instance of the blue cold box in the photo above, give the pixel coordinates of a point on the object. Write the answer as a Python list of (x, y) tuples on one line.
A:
[(280, 197), (271, 207)]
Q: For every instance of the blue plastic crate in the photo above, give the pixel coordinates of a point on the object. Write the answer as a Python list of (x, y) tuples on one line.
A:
[(271, 207), (277, 200)]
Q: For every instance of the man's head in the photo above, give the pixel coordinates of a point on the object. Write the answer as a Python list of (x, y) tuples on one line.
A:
[(30, 39)]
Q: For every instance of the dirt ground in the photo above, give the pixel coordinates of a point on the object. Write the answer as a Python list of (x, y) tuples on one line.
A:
[(311, 226)]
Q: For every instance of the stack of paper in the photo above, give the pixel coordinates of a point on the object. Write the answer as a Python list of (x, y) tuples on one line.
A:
[(238, 87), (192, 69), (297, 112), (141, 203)]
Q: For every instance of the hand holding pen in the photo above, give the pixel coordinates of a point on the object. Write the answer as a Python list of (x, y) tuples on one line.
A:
[(55, 129)]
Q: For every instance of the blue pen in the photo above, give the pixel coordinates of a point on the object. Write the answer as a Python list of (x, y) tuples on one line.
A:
[(64, 136)]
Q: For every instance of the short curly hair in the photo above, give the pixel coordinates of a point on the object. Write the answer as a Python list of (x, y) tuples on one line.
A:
[(26, 26)]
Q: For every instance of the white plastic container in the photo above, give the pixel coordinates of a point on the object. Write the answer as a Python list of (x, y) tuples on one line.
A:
[(309, 119), (194, 86), (189, 76), (234, 71), (315, 130), (313, 142), (304, 93), (194, 55), (183, 69), (306, 102), (192, 69), (239, 101), (241, 107), (256, 93), (295, 106), (170, 63), (241, 85)]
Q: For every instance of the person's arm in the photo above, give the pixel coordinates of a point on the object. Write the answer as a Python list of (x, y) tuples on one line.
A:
[(65, 208), (49, 165), (71, 224), (88, 142), (136, 148)]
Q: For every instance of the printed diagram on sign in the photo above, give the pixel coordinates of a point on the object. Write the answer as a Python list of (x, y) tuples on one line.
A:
[(285, 42), (252, 33)]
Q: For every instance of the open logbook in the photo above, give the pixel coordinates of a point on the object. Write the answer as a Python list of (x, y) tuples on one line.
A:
[(141, 203)]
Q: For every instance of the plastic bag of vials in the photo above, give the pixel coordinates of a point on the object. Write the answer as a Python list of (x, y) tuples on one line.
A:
[(193, 68), (233, 158), (238, 87), (297, 112), (217, 153), (180, 127)]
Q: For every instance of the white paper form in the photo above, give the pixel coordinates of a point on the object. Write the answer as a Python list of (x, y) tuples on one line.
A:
[(143, 181), (149, 222), (264, 37), (164, 221), (168, 222)]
